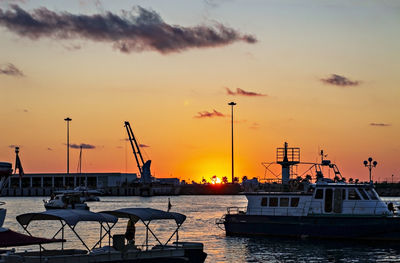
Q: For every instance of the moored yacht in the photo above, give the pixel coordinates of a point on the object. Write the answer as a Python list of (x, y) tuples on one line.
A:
[(66, 201), (326, 209)]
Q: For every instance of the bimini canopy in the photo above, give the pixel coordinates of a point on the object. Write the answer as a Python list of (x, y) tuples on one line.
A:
[(146, 214), (70, 216)]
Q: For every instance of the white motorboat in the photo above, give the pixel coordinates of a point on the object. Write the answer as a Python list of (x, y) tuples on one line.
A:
[(325, 209), (66, 201)]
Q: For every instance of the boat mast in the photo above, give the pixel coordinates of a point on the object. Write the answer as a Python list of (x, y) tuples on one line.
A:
[(287, 157)]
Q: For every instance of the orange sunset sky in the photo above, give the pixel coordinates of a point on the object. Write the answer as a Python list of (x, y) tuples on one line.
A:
[(317, 74)]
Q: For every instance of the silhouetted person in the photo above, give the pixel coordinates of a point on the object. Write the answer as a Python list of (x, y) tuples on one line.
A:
[(391, 207), (130, 232)]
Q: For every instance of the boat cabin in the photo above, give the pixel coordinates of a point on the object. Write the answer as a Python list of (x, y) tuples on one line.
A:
[(321, 199)]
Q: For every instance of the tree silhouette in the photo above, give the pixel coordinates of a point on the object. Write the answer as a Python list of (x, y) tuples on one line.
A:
[(225, 180)]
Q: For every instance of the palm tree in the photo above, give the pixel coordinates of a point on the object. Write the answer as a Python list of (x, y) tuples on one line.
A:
[(225, 180)]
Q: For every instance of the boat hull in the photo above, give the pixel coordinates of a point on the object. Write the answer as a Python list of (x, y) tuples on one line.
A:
[(327, 227)]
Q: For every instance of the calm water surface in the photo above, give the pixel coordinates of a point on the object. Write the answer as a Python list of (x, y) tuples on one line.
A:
[(201, 212)]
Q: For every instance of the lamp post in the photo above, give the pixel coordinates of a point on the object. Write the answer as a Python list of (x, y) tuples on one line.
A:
[(233, 170), (67, 120), (370, 164)]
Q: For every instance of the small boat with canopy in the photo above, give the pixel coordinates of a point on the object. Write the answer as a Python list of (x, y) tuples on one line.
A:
[(108, 248)]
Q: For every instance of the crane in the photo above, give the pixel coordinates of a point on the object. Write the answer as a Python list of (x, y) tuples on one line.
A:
[(144, 167)]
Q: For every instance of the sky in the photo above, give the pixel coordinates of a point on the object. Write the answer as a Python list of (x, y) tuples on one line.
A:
[(316, 74)]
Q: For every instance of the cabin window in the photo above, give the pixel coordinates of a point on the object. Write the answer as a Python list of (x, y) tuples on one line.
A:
[(363, 194), (343, 194), (328, 200), (273, 201), (264, 201), (319, 194), (294, 202), (353, 195), (284, 202), (371, 194)]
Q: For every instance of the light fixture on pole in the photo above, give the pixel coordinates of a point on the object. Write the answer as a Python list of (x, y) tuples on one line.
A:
[(233, 170), (370, 164), (67, 120)]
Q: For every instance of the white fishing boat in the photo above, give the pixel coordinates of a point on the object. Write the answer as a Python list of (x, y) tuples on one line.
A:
[(108, 248), (66, 201), (324, 209)]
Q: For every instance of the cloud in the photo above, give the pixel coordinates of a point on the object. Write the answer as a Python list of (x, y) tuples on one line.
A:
[(241, 92), (49, 149), (9, 69), (84, 146), (380, 124), (143, 146), (341, 81), (207, 114), (133, 31)]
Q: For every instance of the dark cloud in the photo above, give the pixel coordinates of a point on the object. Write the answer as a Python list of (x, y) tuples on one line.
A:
[(84, 146), (241, 92), (49, 149), (143, 146), (380, 124), (9, 69), (207, 114), (137, 30), (341, 81)]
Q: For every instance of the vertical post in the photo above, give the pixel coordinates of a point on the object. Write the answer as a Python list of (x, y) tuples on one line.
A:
[(67, 120), (233, 169)]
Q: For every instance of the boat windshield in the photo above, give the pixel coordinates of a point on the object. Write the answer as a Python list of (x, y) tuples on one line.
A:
[(371, 194)]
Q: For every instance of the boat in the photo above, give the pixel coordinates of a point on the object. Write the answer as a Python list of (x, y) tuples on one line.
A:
[(86, 194), (66, 200), (326, 209), (108, 248), (5, 172)]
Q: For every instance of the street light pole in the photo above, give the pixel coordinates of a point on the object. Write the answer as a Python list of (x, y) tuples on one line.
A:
[(233, 170), (67, 120), (370, 164)]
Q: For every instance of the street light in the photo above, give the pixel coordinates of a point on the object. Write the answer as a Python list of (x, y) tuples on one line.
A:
[(232, 104), (370, 164), (67, 120)]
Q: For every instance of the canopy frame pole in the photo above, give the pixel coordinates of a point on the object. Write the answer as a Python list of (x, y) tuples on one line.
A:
[(105, 234), (62, 226), (175, 232), (101, 233), (147, 234), (76, 234), (147, 227), (62, 236), (25, 227)]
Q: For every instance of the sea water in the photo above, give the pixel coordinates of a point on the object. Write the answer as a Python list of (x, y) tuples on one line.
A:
[(201, 212)]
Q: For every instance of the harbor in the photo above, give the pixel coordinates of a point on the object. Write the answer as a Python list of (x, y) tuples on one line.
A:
[(201, 212), (203, 131)]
